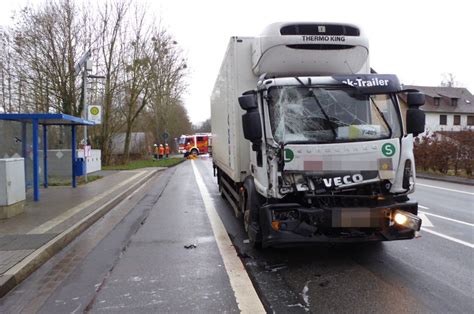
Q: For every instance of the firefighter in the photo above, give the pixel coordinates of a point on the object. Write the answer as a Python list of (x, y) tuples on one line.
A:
[(188, 149), (155, 151), (161, 152), (167, 151)]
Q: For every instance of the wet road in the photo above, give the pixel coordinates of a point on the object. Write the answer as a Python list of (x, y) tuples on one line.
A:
[(127, 261), (431, 274)]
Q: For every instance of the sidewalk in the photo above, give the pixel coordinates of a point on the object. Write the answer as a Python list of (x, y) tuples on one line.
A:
[(31, 238)]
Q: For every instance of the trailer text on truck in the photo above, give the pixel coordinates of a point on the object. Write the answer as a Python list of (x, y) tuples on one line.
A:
[(308, 144)]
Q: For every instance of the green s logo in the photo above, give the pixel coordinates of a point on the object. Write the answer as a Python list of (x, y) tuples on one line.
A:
[(388, 149)]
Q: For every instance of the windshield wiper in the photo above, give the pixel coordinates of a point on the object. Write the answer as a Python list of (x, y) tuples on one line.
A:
[(320, 106), (383, 117)]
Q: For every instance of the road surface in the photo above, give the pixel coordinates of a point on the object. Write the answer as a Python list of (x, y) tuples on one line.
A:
[(133, 260)]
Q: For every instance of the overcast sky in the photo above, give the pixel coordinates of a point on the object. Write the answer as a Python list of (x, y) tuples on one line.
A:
[(417, 40)]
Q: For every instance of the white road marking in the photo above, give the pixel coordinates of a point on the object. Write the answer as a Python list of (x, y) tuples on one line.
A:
[(50, 224), (245, 294), (445, 218), (440, 188), (305, 295), (425, 222), (448, 237), (424, 207)]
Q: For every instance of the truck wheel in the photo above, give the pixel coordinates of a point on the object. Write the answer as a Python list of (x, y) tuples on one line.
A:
[(251, 218), (240, 205), (220, 184)]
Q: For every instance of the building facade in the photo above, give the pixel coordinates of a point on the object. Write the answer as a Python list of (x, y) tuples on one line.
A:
[(446, 108)]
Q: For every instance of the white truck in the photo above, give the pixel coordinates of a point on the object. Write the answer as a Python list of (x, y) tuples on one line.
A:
[(317, 150)]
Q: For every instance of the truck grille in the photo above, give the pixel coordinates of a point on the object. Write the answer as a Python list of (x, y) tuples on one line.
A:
[(319, 29), (319, 47)]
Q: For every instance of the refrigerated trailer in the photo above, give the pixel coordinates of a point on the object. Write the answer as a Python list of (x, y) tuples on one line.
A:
[(308, 143)]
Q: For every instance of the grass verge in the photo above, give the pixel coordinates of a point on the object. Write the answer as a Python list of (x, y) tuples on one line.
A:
[(461, 173), (55, 181), (137, 164)]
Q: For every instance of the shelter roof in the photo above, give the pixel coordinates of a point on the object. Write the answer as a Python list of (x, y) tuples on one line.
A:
[(46, 118)]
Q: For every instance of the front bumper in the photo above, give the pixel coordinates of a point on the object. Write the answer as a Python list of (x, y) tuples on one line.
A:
[(285, 224)]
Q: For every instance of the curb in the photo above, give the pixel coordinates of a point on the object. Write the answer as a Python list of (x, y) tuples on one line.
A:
[(28, 265)]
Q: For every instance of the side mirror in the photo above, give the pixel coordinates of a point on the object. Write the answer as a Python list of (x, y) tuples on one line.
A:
[(251, 123), (415, 121), (248, 102), (252, 126), (415, 116), (415, 99)]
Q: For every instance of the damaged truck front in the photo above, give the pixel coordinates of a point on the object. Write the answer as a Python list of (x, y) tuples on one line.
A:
[(329, 159)]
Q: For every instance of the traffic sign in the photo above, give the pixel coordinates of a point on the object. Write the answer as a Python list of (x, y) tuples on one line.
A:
[(94, 114)]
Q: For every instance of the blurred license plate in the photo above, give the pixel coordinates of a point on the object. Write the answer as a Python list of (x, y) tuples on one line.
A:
[(355, 217)]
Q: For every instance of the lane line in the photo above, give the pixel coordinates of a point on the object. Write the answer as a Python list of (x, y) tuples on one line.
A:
[(446, 189), (426, 222), (245, 294), (50, 224), (448, 237), (447, 218), (423, 207)]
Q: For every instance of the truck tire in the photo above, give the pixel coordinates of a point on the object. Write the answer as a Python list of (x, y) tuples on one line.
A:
[(251, 214), (220, 184)]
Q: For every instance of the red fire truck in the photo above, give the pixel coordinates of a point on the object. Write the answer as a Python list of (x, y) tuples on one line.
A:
[(200, 143)]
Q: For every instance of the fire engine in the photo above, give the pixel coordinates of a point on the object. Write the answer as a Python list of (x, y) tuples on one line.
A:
[(200, 143)]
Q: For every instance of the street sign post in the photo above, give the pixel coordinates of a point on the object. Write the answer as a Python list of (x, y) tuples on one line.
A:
[(165, 136)]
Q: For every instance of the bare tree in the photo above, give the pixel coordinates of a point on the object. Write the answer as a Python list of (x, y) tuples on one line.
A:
[(137, 62), (47, 45), (6, 69), (449, 80), (167, 79), (204, 127), (110, 46), (142, 65)]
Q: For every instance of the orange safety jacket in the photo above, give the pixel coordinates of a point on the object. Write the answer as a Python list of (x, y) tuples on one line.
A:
[(162, 150)]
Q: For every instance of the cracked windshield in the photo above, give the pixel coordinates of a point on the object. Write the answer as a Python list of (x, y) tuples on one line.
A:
[(301, 114)]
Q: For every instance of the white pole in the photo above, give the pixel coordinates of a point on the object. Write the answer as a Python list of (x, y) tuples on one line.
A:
[(84, 110)]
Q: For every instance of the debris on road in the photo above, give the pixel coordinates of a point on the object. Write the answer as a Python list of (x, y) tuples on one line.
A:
[(275, 268), (243, 255), (305, 295), (324, 283), (190, 246)]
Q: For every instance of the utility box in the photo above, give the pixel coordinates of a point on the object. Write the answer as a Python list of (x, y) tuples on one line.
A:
[(12, 187), (80, 167)]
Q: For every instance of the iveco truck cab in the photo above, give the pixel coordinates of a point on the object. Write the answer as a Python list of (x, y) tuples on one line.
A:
[(310, 145)]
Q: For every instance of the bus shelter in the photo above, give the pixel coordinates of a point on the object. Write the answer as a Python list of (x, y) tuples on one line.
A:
[(37, 120)]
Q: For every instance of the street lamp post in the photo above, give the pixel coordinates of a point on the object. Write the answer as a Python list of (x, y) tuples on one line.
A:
[(86, 65)]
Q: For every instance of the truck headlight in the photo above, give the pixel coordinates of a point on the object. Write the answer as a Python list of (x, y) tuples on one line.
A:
[(400, 218), (407, 220)]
